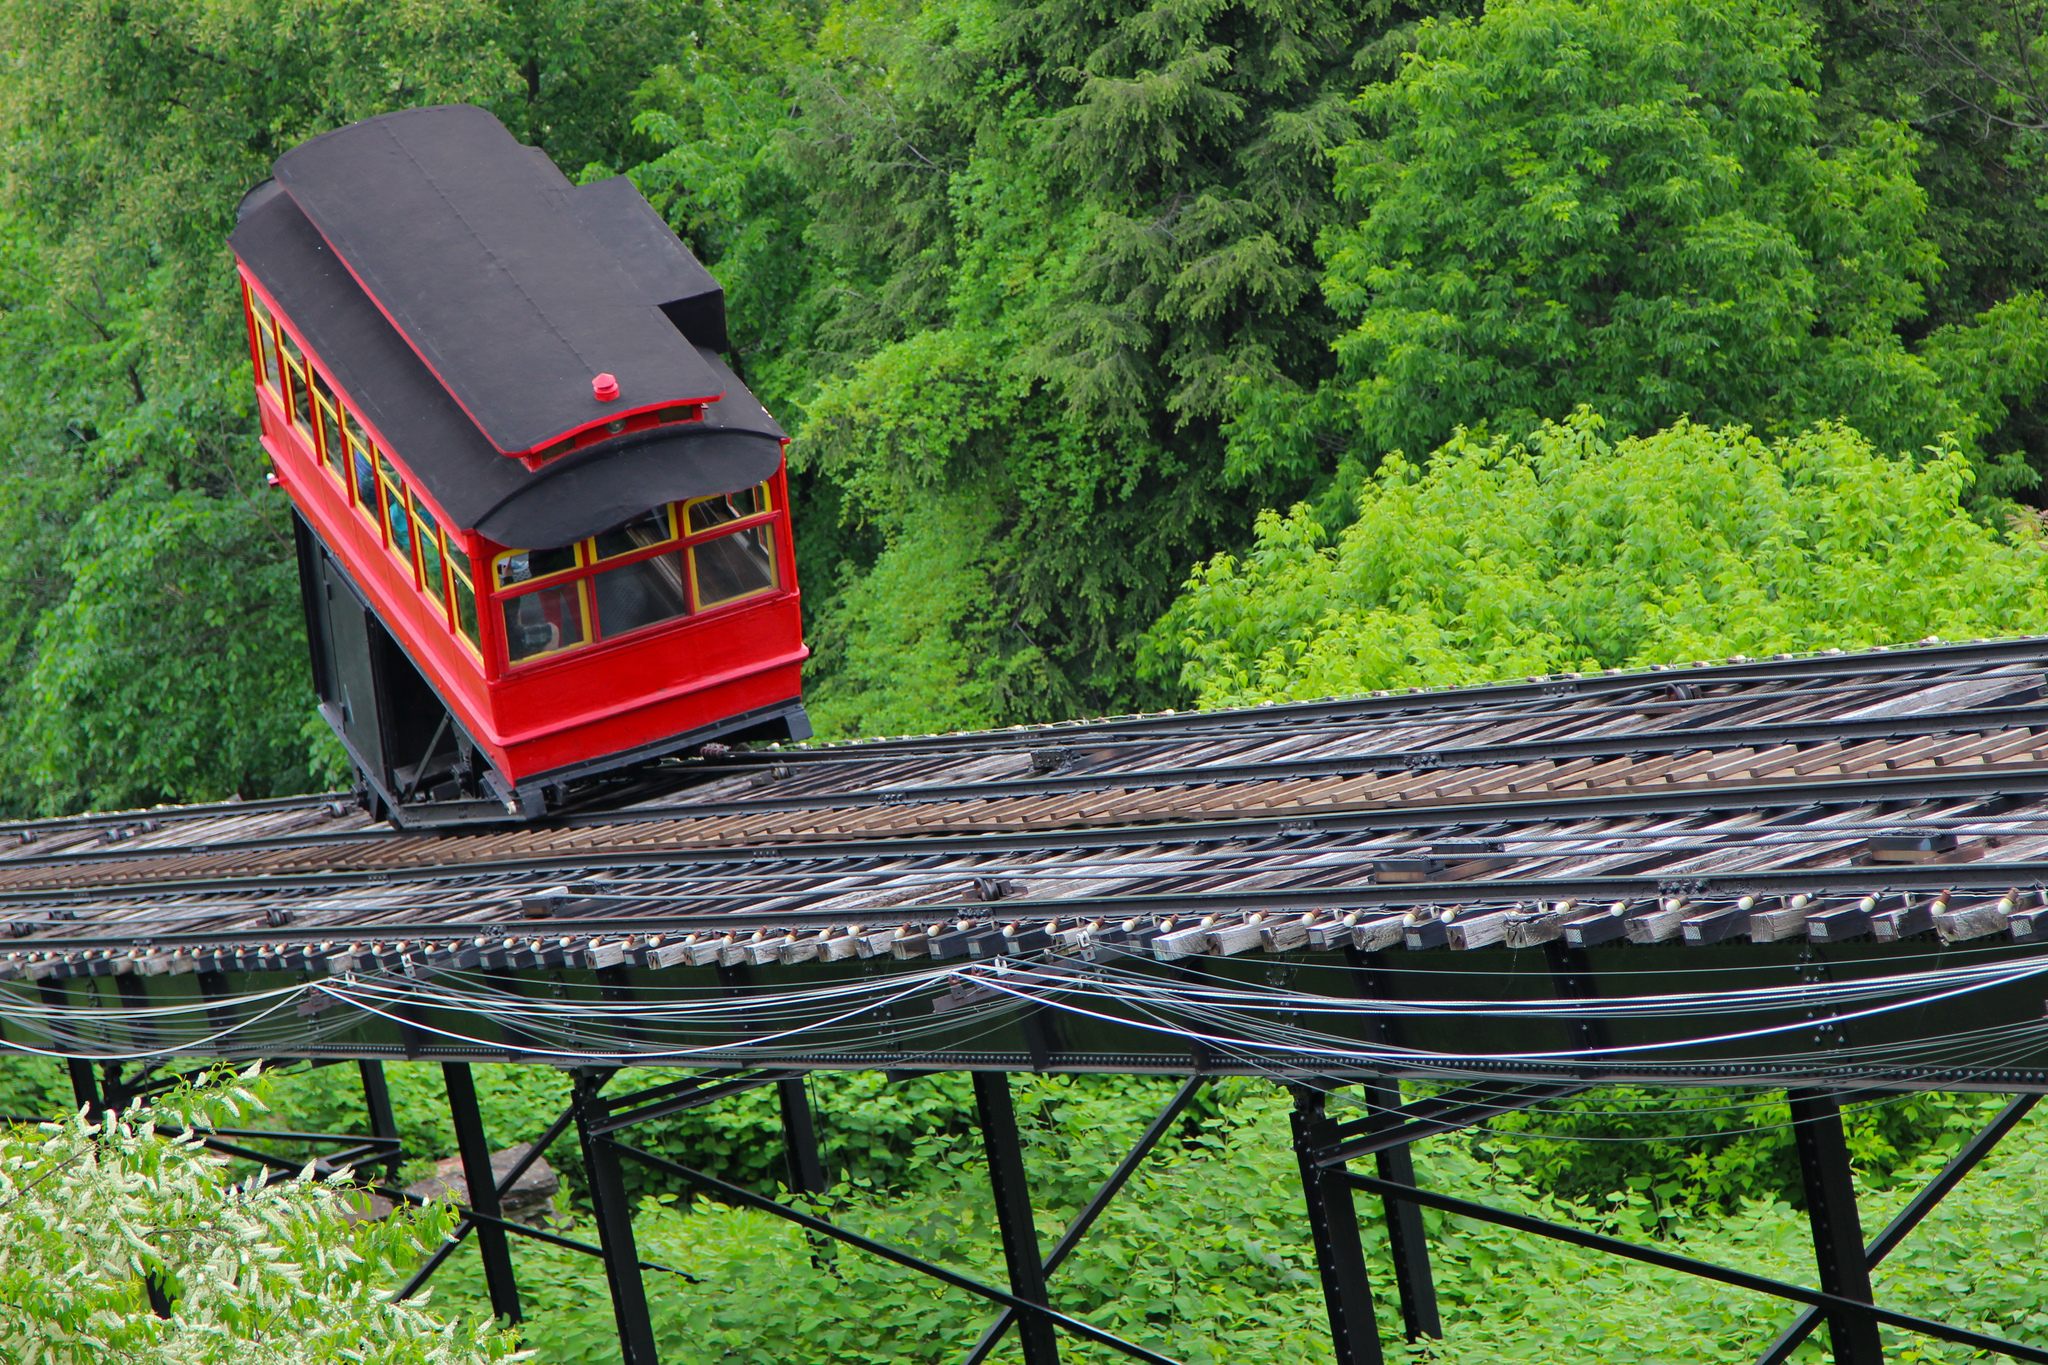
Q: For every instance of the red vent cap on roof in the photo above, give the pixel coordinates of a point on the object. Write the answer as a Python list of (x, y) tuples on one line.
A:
[(604, 387)]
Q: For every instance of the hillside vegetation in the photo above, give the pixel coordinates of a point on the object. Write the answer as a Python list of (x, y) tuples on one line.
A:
[(1136, 352), (1056, 298)]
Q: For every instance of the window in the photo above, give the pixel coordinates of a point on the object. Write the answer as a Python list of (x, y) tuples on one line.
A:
[(362, 473), (652, 528), (733, 566), (397, 520), (641, 594), (660, 566), (428, 536), (265, 330), (523, 566), (709, 513), (326, 409), (298, 402), (545, 621), (462, 592), (732, 546)]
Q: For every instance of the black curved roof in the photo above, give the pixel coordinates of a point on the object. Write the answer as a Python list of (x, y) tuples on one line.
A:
[(677, 317), (466, 241)]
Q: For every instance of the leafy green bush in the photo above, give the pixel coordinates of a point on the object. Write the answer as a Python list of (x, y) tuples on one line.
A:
[(1571, 551), (1691, 1151), (1205, 1257), (95, 1210)]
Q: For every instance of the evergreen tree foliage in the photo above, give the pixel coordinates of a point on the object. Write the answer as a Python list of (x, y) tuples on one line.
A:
[(1053, 296), (1059, 236)]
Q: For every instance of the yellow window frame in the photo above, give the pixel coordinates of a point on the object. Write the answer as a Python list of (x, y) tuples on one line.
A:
[(359, 446), (682, 519), (292, 360), (697, 603), (422, 517), (460, 586), (583, 551), (327, 417), (391, 487), (263, 328), (590, 555), (582, 586)]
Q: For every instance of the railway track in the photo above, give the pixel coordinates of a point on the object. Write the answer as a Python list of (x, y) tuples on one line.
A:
[(1891, 796)]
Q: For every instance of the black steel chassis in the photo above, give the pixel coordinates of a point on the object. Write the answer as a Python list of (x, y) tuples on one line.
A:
[(1328, 1150)]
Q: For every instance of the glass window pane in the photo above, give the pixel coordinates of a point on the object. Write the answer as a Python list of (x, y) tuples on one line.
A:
[(460, 590), (650, 528), (295, 380), (735, 565), (636, 595), (266, 341), (541, 622), (429, 538), (396, 519), (709, 512), (330, 435), (365, 477), (517, 566)]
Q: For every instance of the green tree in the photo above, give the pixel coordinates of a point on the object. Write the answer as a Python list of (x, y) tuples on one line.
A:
[(1043, 243), (1570, 551), (1639, 207), (95, 1209), (150, 613)]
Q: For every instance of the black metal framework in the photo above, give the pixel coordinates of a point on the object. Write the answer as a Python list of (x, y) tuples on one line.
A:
[(1324, 1146), (1844, 1301)]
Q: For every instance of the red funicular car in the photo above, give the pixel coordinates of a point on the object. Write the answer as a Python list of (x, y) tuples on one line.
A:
[(543, 528)]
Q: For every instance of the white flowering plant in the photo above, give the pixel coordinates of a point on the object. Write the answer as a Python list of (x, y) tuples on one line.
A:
[(96, 1212)]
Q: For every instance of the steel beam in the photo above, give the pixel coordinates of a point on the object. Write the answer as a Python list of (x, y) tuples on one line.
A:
[(1333, 1226), (1406, 1239), (1450, 1112), (1837, 1229), (1706, 1270), (1084, 1220), (1931, 1194), (662, 1100), (1414, 1283), (462, 1229), (382, 1118), (475, 1149), (998, 1115), (614, 1224), (806, 1162), (739, 1194)]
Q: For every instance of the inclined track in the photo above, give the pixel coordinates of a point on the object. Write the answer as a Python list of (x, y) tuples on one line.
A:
[(1901, 794)]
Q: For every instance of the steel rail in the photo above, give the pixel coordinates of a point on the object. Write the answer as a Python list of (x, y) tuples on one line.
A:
[(1913, 667), (829, 862), (1477, 755), (822, 881), (1966, 659), (1442, 819), (1951, 720), (1262, 722), (1192, 727)]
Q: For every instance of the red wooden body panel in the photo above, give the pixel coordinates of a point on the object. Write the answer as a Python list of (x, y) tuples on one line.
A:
[(640, 690), (568, 709)]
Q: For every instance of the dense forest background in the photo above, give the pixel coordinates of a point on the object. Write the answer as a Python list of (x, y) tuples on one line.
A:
[(1058, 297), (1137, 352)]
